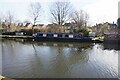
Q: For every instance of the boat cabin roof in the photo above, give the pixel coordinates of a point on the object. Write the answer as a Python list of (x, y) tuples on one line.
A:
[(59, 33)]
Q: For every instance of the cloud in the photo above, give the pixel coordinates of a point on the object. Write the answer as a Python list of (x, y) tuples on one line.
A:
[(98, 10), (103, 11)]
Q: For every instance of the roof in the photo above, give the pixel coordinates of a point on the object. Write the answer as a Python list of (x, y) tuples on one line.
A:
[(57, 33), (67, 24)]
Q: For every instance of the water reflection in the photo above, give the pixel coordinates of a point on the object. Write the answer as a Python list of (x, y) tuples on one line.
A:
[(28, 59), (111, 46)]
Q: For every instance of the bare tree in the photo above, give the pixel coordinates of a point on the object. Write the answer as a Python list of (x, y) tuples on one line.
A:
[(0, 22), (9, 17), (9, 20), (35, 9), (60, 12), (80, 18), (2, 26)]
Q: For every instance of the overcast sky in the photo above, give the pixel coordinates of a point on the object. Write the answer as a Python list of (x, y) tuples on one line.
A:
[(98, 10)]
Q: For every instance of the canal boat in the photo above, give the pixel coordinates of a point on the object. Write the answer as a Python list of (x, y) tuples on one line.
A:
[(71, 37)]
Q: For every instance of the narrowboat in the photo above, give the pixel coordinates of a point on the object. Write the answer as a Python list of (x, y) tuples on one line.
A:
[(112, 38), (70, 37)]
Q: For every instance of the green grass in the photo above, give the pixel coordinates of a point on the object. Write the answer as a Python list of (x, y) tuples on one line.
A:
[(99, 38), (10, 36)]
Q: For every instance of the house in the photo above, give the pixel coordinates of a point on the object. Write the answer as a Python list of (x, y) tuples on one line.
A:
[(26, 24), (20, 25), (40, 25), (102, 28), (68, 27), (51, 25)]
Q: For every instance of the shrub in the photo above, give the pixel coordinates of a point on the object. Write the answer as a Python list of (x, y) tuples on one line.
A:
[(84, 31)]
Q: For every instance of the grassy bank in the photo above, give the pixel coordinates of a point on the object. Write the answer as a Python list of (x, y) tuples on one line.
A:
[(96, 39), (15, 36)]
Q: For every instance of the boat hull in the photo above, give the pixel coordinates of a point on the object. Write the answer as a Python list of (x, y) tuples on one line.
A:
[(63, 39)]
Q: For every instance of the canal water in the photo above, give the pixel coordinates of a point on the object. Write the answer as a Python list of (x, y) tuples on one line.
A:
[(28, 59)]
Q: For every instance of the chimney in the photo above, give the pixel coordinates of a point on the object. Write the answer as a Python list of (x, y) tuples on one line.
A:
[(113, 22)]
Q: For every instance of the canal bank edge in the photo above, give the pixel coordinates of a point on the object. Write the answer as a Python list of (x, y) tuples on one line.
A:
[(5, 78), (1, 77)]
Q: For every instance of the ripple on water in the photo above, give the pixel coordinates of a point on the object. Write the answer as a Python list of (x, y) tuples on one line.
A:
[(37, 60)]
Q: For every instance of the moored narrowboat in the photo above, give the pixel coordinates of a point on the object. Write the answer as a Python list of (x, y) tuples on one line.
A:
[(72, 37)]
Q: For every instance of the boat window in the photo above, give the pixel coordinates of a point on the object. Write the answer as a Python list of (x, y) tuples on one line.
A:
[(70, 36), (66, 35), (40, 35), (49, 35), (59, 35), (77, 36), (44, 35), (55, 35)]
